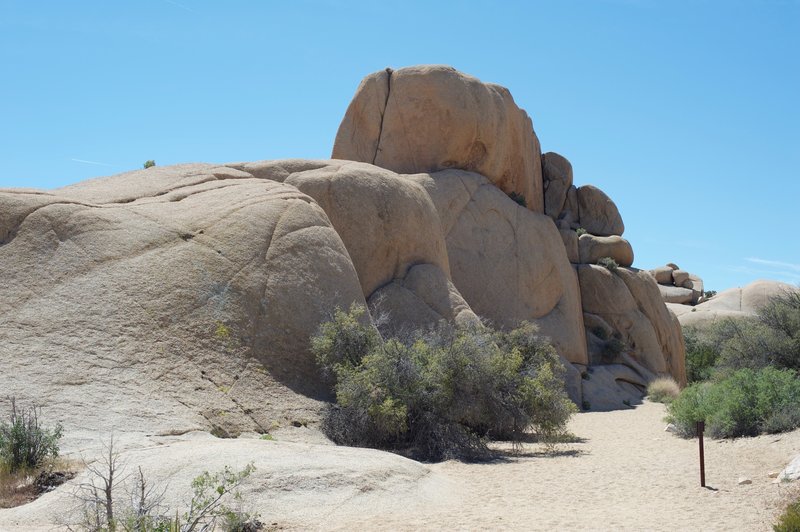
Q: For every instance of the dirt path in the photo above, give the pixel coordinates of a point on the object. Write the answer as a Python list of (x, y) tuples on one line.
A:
[(626, 474)]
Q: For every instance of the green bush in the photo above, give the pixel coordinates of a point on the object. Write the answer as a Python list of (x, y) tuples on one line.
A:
[(745, 403), (24, 443), (581, 231), (789, 521), (701, 354), (609, 263), (149, 164), (518, 198), (709, 293), (443, 392)]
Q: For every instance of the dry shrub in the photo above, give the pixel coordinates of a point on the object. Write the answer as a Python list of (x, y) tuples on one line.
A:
[(663, 390)]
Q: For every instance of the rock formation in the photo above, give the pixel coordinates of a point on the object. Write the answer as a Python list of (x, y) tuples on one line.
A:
[(678, 286), (188, 293), (732, 303), (503, 261)]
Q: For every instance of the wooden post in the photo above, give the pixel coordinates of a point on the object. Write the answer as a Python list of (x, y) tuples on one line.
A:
[(700, 428)]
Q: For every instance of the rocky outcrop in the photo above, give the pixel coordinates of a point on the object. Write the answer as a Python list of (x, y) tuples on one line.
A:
[(625, 303), (557, 176), (431, 118), (732, 303), (598, 213), (592, 248), (678, 286), (509, 263), (198, 286)]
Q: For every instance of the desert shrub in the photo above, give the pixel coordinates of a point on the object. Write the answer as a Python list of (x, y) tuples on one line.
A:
[(663, 390), (24, 442), (745, 403), (518, 198), (344, 340), (612, 348), (709, 293), (581, 231), (608, 263), (750, 343), (701, 354), (441, 393), (149, 164), (789, 521)]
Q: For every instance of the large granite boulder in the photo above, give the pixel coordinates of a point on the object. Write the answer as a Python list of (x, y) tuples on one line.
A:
[(593, 248), (166, 289), (557, 180), (507, 262), (431, 118), (598, 213)]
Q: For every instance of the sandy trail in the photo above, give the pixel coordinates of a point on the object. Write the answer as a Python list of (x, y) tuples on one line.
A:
[(626, 474)]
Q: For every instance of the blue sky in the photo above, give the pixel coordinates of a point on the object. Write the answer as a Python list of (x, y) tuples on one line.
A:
[(685, 112)]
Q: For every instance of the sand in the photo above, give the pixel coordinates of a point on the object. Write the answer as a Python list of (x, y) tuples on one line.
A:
[(624, 473)]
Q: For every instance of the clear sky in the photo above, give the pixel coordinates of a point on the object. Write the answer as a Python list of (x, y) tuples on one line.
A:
[(687, 113)]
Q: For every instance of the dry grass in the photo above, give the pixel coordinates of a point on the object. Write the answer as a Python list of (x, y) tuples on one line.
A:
[(25, 485), (663, 390)]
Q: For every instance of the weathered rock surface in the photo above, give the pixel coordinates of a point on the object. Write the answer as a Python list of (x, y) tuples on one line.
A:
[(593, 248), (791, 472), (507, 262), (557, 180), (570, 239), (598, 213), (431, 118), (675, 294), (731, 303), (663, 275), (628, 301), (167, 289)]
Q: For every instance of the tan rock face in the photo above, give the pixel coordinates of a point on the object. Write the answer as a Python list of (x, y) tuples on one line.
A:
[(431, 118), (162, 289), (570, 239), (663, 275), (593, 248), (387, 223), (507, 262), (598, 213), (392, 233), (557, 179), (733, 303), (629, 302)]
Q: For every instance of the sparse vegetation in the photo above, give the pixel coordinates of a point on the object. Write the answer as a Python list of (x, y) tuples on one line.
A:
[(663, 390), (518, 198), (143, 508), (149, 164), (581, 231), (29, 463), (709, 294), (745, 403), (612, 348), (789, 521), (24, 442), (608, 263), (441, 393)]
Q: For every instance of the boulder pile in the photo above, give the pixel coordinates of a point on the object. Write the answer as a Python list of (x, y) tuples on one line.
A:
[(181, 298), (678, 286)]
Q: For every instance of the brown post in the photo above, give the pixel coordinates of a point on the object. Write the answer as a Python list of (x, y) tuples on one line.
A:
[(700, 428)]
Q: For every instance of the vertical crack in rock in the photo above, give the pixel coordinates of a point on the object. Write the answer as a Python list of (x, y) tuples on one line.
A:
[(383, 113)]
